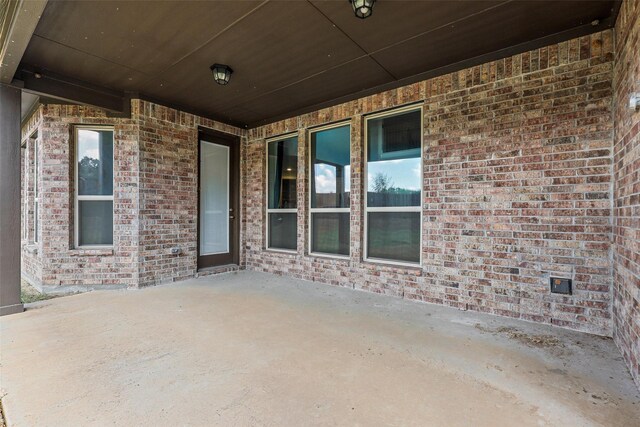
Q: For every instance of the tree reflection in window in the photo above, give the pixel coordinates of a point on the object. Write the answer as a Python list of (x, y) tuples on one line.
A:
[(95, 165)]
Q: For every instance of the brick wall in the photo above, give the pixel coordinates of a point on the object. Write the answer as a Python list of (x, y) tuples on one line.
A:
[(59, 262), (517, 184), (155, 198), (169, 190), (626, 291)]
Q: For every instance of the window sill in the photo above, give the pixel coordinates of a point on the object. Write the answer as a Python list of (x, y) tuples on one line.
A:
[(344, 258), (282, 251), (32, 249), (91, 252), (393, 264)]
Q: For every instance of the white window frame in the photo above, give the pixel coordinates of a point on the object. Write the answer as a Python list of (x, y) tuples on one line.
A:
[(36, 188), (24, 192), (266, 180), (327, 210), (367, 209), (78, 198)]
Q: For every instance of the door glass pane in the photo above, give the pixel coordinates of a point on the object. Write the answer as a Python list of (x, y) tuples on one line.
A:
[(95, 222), (283, 231), (393, 160), (330, 174), (283, 171), (394, 236), (214, 199), (95, 162), (330, 233)]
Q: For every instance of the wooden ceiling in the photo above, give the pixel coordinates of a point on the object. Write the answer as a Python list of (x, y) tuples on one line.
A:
[(288, 57)]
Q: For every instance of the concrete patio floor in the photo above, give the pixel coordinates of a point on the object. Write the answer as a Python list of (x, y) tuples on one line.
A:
[(256, 349)]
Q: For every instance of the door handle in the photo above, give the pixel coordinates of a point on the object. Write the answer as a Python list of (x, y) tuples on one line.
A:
[(231, 217)]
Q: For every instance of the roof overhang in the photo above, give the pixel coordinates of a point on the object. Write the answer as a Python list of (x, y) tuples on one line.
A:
[(18, 20), (289, 57)]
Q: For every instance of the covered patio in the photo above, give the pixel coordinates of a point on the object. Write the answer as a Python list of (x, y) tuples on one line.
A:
[(259, 349), (367, 212)]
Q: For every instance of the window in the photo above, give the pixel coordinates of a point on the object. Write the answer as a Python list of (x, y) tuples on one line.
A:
[(282, 203), (36, 168), (94, 187), (394, 186), (330, 191), (25, 196)]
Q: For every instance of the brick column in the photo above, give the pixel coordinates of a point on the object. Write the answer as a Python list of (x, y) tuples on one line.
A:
[(357, 196), (10, 195)]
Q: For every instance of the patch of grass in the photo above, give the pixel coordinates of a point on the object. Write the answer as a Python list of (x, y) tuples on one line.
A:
[(2, 421), (29, 294), (27, 297)]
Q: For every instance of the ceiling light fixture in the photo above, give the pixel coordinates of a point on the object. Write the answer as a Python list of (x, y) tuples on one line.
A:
[(362, 8), (221, 73)]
